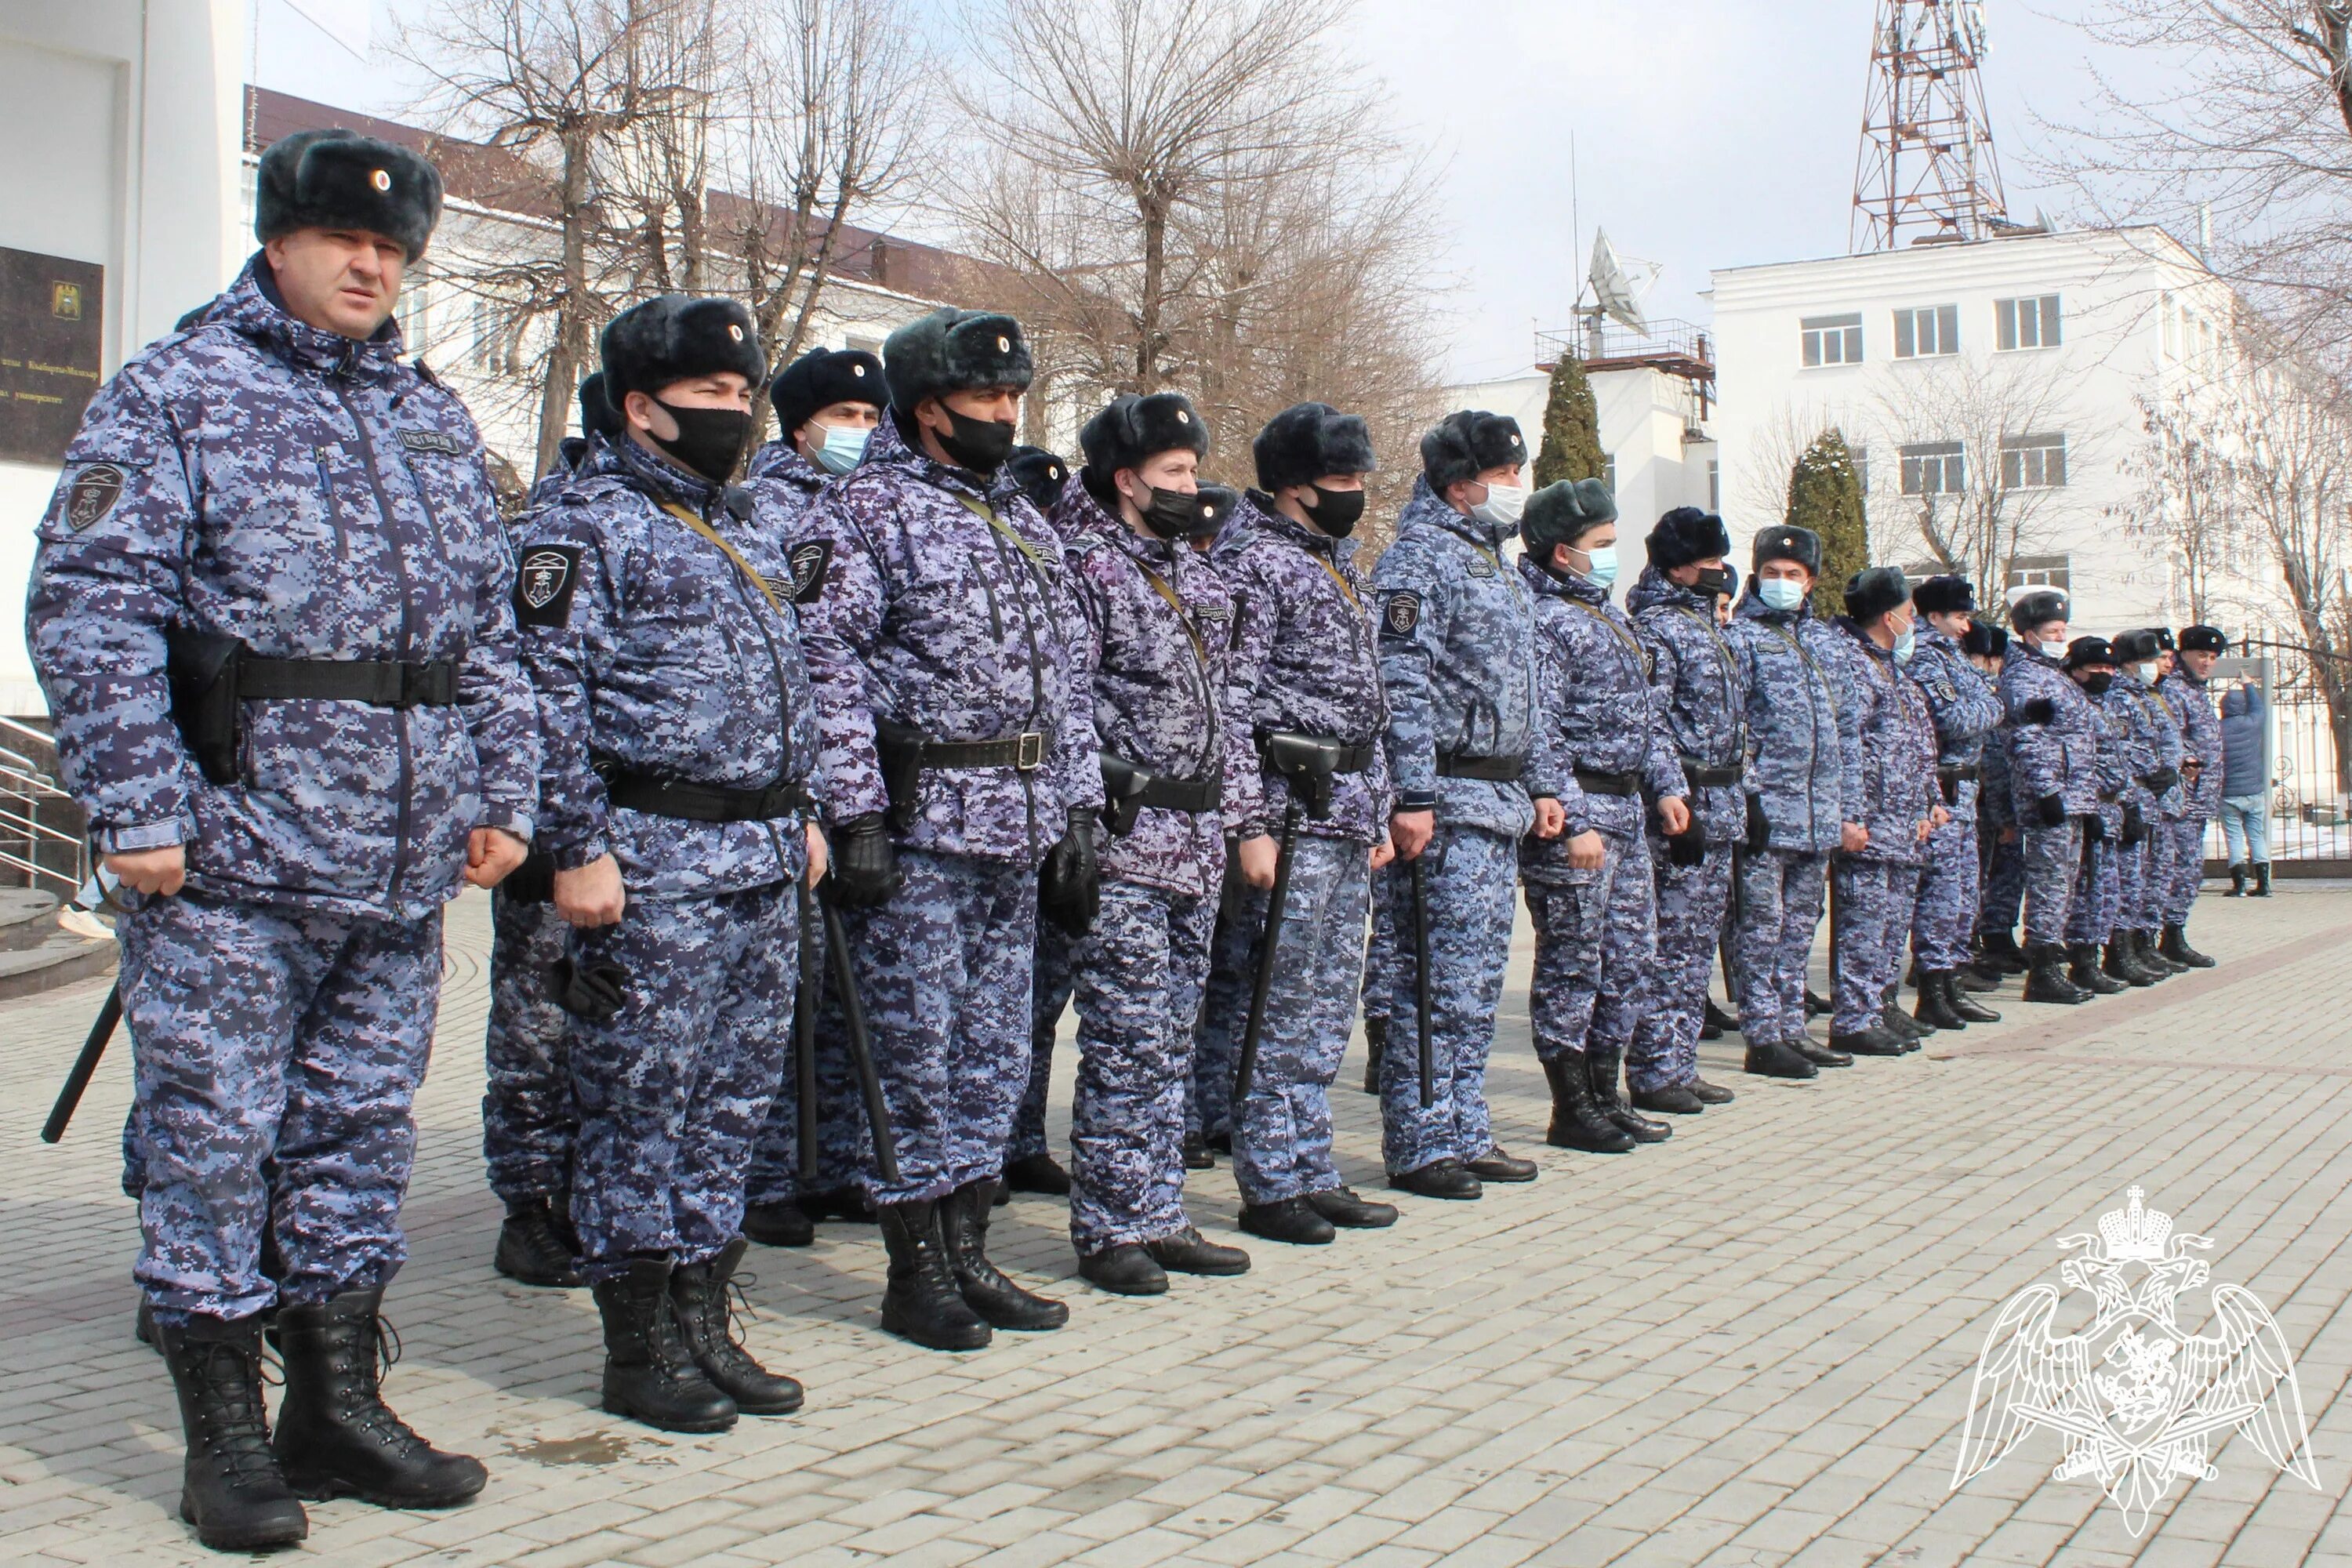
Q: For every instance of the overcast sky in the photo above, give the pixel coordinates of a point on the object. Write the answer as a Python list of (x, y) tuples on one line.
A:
[(1709, 133)]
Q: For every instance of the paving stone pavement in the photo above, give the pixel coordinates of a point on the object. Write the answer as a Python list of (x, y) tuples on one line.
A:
[(1749, 1345)]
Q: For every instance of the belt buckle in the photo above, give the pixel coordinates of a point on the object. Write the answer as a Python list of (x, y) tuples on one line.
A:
[(1029, 750)]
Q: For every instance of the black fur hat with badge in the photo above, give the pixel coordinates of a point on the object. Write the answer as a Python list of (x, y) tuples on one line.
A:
[(954, 351), (1985, 640), (341, 179), (822, 377), (1037, 474), (1563, 512), (1874, 590), (2038, 608), (1684, 535), (2085, 652), (671, 337), (1947, 594), (1310, 441), (2136, 646), (1135, 429), (2203, 639), (1787, 542), (597, 415), (1465, 445)]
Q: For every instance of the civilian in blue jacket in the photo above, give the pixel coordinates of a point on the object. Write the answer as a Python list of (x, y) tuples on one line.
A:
[(2245, 789)]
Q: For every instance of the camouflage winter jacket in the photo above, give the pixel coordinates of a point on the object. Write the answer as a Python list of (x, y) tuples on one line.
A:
[(1966, 708), (1895, 738), (1804, 759), (2152, 749), (2053, 736), (2190, 703), (1697, 676)]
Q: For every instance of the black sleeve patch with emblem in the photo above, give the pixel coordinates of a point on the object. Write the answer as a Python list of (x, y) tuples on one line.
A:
[(432, 441), (92, 495), (544, 579), (809, 562), (1400, 614)]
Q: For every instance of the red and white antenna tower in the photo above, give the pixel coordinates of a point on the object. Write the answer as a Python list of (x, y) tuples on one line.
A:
[(1927, 171)]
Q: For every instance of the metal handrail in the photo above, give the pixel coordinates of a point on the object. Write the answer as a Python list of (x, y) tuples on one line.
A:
[(22, 779)]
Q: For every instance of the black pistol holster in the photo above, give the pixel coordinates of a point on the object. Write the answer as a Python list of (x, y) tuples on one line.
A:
[(1124, 786), (202, 669), (1308, 762)]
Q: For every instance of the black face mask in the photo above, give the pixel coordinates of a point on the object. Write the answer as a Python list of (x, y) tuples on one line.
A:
[(979, 445), (710, 440), (2096, 684), (1714, 581), (1171, 514), (1336, 512)]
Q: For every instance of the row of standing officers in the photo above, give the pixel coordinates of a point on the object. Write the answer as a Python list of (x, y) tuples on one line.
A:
[(1154, 749)]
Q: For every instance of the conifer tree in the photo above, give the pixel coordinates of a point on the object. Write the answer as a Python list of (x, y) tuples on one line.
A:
[(1572, 428), (1825, 495)]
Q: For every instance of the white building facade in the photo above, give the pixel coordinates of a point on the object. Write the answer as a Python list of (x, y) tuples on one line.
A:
[(1997, 396)]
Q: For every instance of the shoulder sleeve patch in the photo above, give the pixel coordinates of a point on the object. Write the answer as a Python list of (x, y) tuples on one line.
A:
[(92, 495), (432, 441), (809, 562), (1401, 614), (544, 579)]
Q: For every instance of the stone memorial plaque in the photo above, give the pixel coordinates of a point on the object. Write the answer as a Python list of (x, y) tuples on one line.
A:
[(50, 338)]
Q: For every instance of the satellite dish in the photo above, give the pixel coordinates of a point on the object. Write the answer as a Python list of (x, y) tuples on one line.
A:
[(1614, 290)]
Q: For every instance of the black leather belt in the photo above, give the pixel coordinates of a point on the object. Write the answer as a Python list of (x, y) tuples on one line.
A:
[(1705, 778), (1495, 770), (1352, 759), (657, 797), (1593, 782), (1957, 772), (1196, 795), (380, 682), (1024, 752)]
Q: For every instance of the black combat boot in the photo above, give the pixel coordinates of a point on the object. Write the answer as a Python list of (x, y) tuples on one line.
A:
[(2118, 963), (1673, 1100), (1965, 1007), (231, 1488), (2084, 970), (1937, 988), (649, 1373), (1036, 1174), (142, 1324), (1714, 1017), (1197, 1155), (1576, 1121), (963, 1223), (1126, 1270), (920, 1302), (1903, 1026), (847, 1204), (1878, 1040), (1820, 1055), (336, 1437), (1968, 977), (1998, 954), (1711, 1093), (1349, 1210), (2175, 946), (784, 1223), (531, 1250), (1190, 1252), (2237, 882), (1376, 1044), (1499, 1164), (701, 1297), (1606, 1067), (2046, 980), (1292, 1220), (1773, 1060), (1447, 1178), (1816, 1004), (2144, 949), (2261, 879)]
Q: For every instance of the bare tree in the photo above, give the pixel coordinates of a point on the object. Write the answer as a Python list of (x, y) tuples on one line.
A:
[(2187, 501)]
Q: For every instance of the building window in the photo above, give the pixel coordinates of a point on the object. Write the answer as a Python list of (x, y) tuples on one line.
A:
[(1609, 471), (1714, 485), (413, 315), (490, 346), (1934, 468), (1832, 340), (1927, 333), (2039, 572), (2033, 462), (2026, 323), (1860, 456)]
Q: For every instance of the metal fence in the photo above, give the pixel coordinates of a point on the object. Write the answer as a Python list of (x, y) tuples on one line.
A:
[(2308, 814), (43, 835)]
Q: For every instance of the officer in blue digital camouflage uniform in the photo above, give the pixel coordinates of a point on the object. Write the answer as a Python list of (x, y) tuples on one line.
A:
[(1697, 679), (1966, 709), (1804, 800), (2054, 780), (2155, 799), (1305, 665), (2090, 663), (1877, 884), (2002, 894), (528, 1120), (674, 709), (1154, 645), (962, 787), (826, 402), (268, 608), (1457, 661), (1604, 746), (2190, 702)]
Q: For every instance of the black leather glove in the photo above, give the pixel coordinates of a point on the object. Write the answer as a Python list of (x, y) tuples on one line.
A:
[(865, 866), (593, 991), (1759, 828), (2095, 828), (2135, 826), (2040, 711), (2052, 810), (2161, 780), (1069, 885), (1687, 847)]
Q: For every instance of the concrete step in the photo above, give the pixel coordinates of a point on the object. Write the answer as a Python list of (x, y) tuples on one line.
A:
[(60, 960), (28, 917)]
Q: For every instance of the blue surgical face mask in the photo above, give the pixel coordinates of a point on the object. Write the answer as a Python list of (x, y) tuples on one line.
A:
[(1780, 593), (1904, 641), (1600, 566), (2053, 649), (844, 446)]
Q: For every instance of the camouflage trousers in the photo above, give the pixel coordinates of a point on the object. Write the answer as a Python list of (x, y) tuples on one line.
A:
[(1948, 894), (2181, 866), (1282, 1131), (845, 1144), (673, 1088), (2053, 858), (1050, 989), (1874, 913), (2135, 901), (1596, 944), (2004, 884), (275, 1056), (1388, 963), (944, 970), (1225, 1008), (2098, 889), (1138, 980), (1780, 893), (529, 1121), (1468, 875), (1692, 900)]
